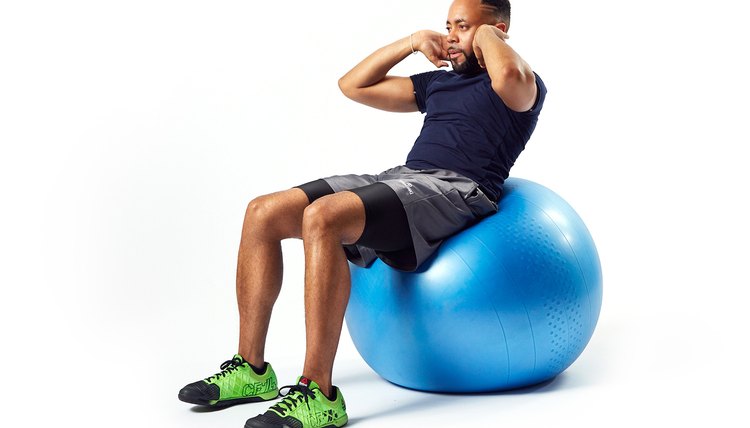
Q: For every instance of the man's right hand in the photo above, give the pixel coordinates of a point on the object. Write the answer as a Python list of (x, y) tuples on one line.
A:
[(433, 45)]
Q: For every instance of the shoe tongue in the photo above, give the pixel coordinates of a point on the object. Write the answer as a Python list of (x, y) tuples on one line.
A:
[(307, 382), (239, 357)]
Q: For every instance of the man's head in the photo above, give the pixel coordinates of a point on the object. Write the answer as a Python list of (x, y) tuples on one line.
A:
[(464, 17), (500, 9)]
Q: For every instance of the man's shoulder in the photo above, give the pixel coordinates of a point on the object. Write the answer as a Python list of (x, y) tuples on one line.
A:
[(452, 76), (434, 75)]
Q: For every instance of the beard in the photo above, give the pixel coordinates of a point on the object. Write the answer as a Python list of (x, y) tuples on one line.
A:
[(470, 66)]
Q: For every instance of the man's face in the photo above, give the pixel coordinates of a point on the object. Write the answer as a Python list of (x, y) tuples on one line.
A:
[(464, 17)]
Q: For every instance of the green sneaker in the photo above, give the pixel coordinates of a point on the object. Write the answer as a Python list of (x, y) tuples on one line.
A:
[(304, 406), (236, 383)]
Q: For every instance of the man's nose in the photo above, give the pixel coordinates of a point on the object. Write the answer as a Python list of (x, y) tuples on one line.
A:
[(452, 36)]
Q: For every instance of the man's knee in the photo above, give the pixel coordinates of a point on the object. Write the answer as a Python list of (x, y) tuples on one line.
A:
[(320, 216), (341, 214), (278, 215), (260, 210)]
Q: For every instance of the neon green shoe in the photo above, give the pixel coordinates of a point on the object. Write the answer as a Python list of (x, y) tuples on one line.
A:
[(304, 406), (237, 383)]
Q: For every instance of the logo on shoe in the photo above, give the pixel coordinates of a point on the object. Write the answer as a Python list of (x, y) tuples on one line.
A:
[(258, 388), (304, 381), (320, 418)]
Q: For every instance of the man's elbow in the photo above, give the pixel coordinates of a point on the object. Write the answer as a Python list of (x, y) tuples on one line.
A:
[(512, 76), (346, 88), (516, 87)]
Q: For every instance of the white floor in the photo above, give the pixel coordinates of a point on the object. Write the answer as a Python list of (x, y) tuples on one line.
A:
[(133, 134), (670, 368), (634, 373), (620, 380)]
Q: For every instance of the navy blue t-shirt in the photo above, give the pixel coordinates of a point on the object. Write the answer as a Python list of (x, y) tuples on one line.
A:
[(468, 129)]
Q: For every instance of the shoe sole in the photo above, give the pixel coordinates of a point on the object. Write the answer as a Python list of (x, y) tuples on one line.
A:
[(265, 425)]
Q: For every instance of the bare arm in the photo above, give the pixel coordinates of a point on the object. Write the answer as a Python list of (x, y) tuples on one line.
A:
[(512, 78), (369, 83)]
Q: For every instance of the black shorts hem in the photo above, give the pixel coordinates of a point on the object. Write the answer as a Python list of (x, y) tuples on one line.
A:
[(387, 228), (316, 189)]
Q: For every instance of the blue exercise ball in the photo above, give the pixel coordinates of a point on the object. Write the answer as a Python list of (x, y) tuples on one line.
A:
[(509, 302)]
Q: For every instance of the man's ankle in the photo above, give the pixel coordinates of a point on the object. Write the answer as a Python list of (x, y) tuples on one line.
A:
[(325, 387), (256, 361)]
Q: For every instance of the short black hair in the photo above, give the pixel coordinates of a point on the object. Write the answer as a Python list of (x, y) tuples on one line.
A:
[(502, 9)]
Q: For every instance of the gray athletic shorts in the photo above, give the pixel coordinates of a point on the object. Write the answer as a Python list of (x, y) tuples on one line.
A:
[(437, 203)]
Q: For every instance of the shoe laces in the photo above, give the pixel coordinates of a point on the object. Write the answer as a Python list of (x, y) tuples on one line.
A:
[(227, 367), (294, 397)]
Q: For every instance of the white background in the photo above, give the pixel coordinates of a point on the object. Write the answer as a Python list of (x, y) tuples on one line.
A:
[(133, 134)]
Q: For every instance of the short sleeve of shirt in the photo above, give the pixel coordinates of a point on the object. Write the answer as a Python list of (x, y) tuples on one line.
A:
[(541, 94), (420, 82)]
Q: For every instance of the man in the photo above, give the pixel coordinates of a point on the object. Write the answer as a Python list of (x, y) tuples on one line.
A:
[(478, 119)]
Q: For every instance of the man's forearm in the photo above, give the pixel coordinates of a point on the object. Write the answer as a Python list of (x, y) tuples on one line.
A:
[(512, 78), (368, 82), (500, 60), (375, 67)]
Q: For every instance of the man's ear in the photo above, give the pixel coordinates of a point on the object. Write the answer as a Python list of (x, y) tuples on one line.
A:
[(503, 26)]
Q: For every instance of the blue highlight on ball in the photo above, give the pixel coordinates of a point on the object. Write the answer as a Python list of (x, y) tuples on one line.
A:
[(509, 302)]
